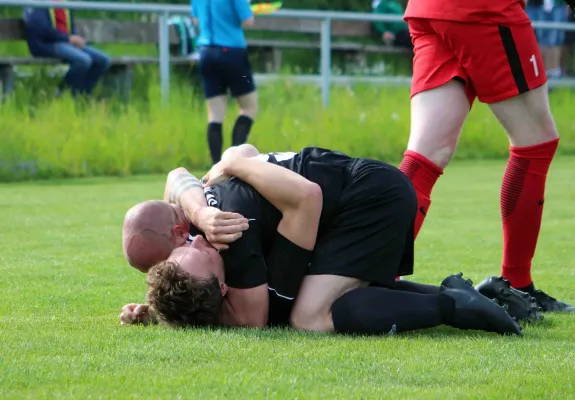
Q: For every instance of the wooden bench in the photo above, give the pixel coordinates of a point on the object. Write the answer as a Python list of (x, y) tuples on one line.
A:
[(96, 32), (347, 37)]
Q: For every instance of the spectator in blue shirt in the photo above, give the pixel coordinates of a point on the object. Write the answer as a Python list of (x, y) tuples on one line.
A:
[(50, 33), (225, 67)]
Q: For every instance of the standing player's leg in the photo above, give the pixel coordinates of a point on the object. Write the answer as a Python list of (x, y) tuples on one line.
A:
[(510, 77), (241, 82), (215, 92), (441, 99)]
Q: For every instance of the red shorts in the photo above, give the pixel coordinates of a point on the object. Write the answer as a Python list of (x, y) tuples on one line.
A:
[(496, 62)]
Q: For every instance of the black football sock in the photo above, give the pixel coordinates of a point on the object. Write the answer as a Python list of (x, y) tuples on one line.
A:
[(215, 140), (414, 287), (376, 311), (241, 130)]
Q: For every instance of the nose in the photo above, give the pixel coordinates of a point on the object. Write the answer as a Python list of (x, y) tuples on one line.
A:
[(199, 242)]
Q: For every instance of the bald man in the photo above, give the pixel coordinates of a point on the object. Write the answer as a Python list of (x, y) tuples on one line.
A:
[(153, 229)]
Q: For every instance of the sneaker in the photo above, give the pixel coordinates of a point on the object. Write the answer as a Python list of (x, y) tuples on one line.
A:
[(473, 311), (520, 305), (550, 304)]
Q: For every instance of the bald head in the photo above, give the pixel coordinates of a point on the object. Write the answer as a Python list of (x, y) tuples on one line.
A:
[(147, 233)]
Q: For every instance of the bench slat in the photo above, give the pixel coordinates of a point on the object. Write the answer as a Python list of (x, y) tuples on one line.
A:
[(106, 31), (114, 61)]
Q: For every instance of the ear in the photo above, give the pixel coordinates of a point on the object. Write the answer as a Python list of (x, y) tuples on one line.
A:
[(224, 288), (180, 234)]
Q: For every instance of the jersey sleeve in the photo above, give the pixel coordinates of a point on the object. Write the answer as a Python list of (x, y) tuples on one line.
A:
[(243, 9)]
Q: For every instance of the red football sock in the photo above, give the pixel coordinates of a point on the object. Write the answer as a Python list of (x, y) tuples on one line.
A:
[(423, 174), (522, 196)]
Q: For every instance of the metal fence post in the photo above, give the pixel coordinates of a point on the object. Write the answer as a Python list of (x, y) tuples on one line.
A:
[(164, 41), (325, 65)]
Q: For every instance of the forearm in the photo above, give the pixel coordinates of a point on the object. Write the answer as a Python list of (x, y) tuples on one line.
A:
[(185, 190), (283, 188)]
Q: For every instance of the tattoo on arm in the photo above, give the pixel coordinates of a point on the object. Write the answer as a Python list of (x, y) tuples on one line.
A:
[(181, 185)]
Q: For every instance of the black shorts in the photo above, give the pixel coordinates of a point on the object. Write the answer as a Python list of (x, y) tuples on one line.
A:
[(371, 236), (224, 69)]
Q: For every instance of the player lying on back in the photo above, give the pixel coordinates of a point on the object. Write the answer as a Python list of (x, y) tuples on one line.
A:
[(309, 256)]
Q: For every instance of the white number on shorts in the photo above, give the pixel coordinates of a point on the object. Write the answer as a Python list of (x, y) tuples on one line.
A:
[(534, 62)]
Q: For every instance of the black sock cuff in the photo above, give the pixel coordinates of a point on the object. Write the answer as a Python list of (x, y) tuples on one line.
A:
[(244, 119), (215, 124)]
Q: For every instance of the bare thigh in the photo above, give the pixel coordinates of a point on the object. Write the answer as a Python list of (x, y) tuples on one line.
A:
[(527, 118)]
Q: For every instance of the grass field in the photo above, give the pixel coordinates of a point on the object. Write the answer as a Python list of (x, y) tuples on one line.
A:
[(63, 281)]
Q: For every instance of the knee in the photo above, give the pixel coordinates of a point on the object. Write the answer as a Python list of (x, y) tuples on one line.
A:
[(249, 105), (81, 63), (438, 153), (309, 321), (103, 61), (251, 111)]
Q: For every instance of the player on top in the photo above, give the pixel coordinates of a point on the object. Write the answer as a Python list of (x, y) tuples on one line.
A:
[(485, 49), (365, 219)]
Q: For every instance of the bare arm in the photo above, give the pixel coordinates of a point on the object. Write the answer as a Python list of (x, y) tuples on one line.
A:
[(185, 190), (221, 228), (298, 199)]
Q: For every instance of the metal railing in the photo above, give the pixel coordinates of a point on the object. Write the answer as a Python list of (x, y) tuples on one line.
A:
[(326, 17)]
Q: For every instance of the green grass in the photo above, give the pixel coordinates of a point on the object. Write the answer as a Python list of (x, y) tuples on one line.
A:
[(63, 281), (61, 139)]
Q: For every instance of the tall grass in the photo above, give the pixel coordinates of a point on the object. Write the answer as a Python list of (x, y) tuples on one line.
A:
[(63, 138)]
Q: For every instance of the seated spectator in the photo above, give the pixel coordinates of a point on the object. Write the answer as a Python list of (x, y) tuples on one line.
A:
[(392, 33), (50, 33), (550, 40)]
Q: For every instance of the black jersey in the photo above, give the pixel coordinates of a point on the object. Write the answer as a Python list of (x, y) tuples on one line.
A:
[(244, 260), (329, 169)]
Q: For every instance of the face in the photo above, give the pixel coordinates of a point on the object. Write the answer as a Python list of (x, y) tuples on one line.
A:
[(201, 260)]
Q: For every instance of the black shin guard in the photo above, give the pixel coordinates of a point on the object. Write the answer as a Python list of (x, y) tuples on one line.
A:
[(376, 311)]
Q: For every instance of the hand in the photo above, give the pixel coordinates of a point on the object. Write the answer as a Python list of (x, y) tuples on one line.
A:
[(221, 228), (135, 314), (77, 41), (217, 173), (388, 37)]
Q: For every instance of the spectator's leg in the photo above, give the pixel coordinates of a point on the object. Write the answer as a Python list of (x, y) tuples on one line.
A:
[(80, 62), (100, 64)]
